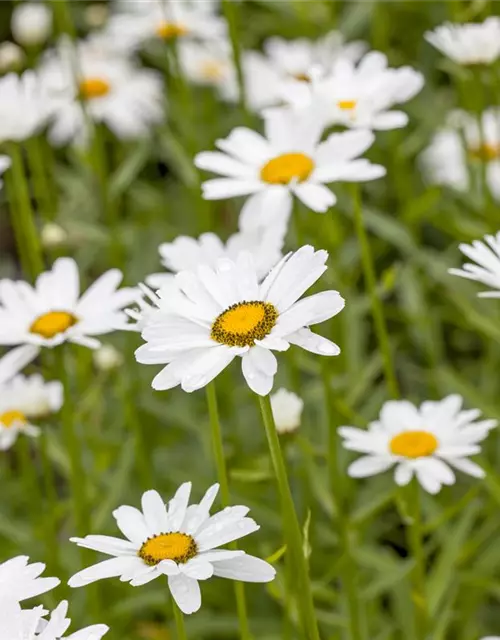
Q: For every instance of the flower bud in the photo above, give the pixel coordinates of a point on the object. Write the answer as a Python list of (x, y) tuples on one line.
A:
[(287, 410), (31, 23), (53, 235), (11, 57), (107, 358)]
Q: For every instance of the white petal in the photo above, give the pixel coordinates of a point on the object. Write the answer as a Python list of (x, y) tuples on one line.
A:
[(131, 523), (222, 164), (186, 593), (315, 196), (403, 474), (201, 511), (467, 466), (106, 569), (221, 188), (107, 544), (369, 466), (314, 343), (311, 310), (155, 512), (168, 568), (272, 205), (178, 505), (198, 569), (259, 381), (217, 535), (245, 568)]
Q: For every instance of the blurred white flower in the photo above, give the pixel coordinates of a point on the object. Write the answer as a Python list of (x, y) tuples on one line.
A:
[(25, 106), (53, 235), (96, 15), (16, 624), (20, 580), (486, 256), (31, 23), (216, 314), (137, 22), (114, 91), (289, 160), (445, 160), (424, 441), (107, 357), (186, 253), (469, 43), (177, 541), (12, 57), (53, 311), (287, 410), (358, 96), (208, 63)]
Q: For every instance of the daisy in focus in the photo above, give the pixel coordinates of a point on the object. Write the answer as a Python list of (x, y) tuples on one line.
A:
[(358, 96), (424, 441), (25, 107), (114, 91), (446, 161), (177, 541), (137, 22), (470, 43), (53, 311), (287, 410), (24, 398), (485, 265), (186, 253), (20, 580), (288, 161), (16, 624), (220, 313)]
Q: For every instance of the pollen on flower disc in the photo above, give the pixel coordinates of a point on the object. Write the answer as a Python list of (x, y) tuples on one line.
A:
[(94, 88), (50, 324), (179, 547), (287, 167), (243, 323), (169, 30), (414, 444), (12, 418)]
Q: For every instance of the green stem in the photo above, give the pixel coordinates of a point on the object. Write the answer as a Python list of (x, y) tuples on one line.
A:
[(415, 540), (51, 502), (230, 12), (23, 220), (73, 449), (220, 462), (179, 622), (40, 166), (291, 524), (376, 303), (129, 395)]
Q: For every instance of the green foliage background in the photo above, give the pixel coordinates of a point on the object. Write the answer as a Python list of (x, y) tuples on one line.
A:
[(444, 339)]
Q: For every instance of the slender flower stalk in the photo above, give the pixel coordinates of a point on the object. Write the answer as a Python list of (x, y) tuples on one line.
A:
[(415, 540), (230, 12), (179, 622), (220, 462), (22, 214), (41, 167), (371, 283), (291, 524)]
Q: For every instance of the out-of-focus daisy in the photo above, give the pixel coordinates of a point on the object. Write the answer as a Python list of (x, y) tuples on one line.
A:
[(126, 98), (16, 624), (469, 43), (20, 580), (358, 96), (107, 358), (425, 441), (219, 313), (486, 264), (23, 398), (445, 160), (287, 410), (138, 22), (25, 106), (12, 57), (53, 312), (208, 63), (186, 253), (177, 541), (53, 235), (31, 23), (289, 160)]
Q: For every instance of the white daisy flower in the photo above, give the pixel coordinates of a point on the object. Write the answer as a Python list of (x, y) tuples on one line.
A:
[(289, 160), (425, 441), (31, 23), (470, 43), (31, 624), (445, 160), (358, 96), (219, 313), (25, 106), (287, 410), (486, 268), (126, 98), (186, 254), (107, 358), (20, 580), (53, 312), (208, 63), (177, 541), (142, 21)]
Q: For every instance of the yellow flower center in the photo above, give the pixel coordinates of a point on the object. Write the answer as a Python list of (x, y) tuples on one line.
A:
[(347, 105), (243, 323), (169, 30), (52, 323), (287, 167), (91, 88), (212, 70), (302, 77), (485, 152), (168, 546), (414, 444), (12, 418)]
